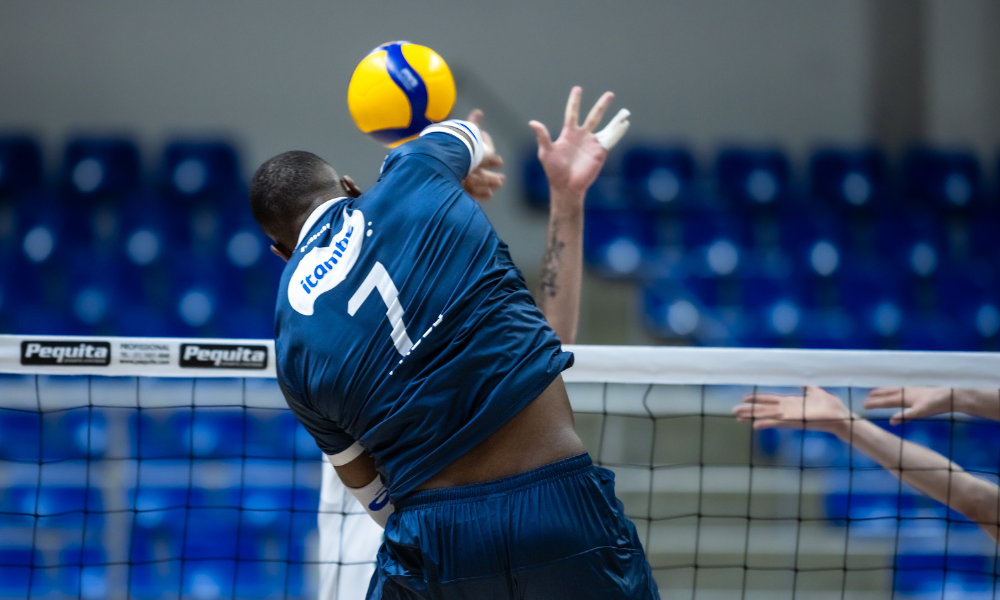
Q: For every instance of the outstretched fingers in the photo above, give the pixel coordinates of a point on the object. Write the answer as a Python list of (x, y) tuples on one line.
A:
[(763, 399), (475, 117), (597, 112), (542, 134), (573, 108), (886, 398)]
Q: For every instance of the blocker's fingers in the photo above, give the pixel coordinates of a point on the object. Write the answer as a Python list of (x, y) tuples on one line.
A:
[(756, 411), (597, 112), (886, 391), (573, 107), (763, 399), (542, 133), (614, 130), (476, 116), (892, 399), (774, 424)]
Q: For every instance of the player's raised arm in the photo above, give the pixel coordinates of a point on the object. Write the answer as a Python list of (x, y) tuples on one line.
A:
[(572, 163), (916, 465)]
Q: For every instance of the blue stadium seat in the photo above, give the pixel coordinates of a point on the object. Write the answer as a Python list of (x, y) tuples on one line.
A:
[(915, 242), (815, 241), (848, 178), (753, 177), (193, 169), (930, 331), (938, 576), (983, 227), (266, 537), (672, 310), (83, 572), (56, 507), (702, 230), (976, 445), (17, 575), (20, 165), (67, 435), (277, 435), (619, 242), (175, 433), (947, 179), (100, 168), (659, 178)]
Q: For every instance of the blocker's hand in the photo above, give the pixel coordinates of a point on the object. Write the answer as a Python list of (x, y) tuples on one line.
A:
[(817, 409), (913, 403), (573, 161), (481, 181)]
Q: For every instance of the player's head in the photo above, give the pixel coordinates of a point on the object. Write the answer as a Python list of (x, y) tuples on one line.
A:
[(287, 188)]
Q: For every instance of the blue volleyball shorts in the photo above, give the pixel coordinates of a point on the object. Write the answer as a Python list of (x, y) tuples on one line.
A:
[(554, 532)]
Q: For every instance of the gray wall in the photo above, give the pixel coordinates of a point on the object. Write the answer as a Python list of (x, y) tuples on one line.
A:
[(274, 74)]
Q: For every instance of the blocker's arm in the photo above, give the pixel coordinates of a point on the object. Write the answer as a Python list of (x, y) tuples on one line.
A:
[(365, 484), (929, 472), (572, 163), (920, 467)]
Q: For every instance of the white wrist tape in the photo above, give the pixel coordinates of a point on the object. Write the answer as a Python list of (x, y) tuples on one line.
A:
[(614, 130), (465, 131), (374, 497)]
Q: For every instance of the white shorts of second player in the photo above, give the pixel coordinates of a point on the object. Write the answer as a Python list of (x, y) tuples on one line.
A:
[(348, 541)]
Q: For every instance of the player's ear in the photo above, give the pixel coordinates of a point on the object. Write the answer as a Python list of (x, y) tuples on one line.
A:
[(350, 188), (281, 252)]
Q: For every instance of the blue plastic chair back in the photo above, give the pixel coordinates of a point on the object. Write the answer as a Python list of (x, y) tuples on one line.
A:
[(658, 178), (20, 165), (848, 178), (753, 177), (97, 168), (945, 179), (200, 169)]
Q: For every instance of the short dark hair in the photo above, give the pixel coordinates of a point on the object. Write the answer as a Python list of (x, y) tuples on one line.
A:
[(284, 187)]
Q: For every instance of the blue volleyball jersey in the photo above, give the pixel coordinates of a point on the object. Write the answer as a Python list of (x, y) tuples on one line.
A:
[(403, 327)]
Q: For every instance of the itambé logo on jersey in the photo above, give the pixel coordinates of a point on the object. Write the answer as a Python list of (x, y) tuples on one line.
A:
[(223, 356), (66, 353)]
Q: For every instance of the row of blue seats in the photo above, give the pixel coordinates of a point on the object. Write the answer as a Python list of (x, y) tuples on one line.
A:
[(80, 573), (890, 236), (82, 433), (261, 511), (68, 226), (668, 178), (101, 168)]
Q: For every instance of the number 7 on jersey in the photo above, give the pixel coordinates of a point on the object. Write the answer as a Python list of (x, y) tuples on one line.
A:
[(378, 278)]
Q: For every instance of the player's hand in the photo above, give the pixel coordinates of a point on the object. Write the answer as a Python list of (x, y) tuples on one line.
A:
[(913, 403), (481, 181), (816, 409), (574, 160)]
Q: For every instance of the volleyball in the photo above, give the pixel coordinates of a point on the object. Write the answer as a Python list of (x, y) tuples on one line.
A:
[(398, 89)]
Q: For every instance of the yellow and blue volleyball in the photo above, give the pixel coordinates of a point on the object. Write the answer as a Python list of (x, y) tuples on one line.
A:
[(398, 89)]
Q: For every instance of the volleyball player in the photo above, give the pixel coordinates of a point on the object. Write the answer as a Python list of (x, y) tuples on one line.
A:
[(914, 464), (411, 350), (348, 538)]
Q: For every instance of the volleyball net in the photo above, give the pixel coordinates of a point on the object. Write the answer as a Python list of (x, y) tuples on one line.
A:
[(170, 468)]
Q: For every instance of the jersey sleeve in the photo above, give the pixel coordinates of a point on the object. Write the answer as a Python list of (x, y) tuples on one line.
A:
[(456, 144), (330, 438)]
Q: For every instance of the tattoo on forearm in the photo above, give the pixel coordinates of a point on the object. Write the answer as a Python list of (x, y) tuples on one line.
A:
[(550, 265)]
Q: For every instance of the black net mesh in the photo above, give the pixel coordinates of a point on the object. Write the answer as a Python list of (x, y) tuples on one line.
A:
[(200, 488)]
